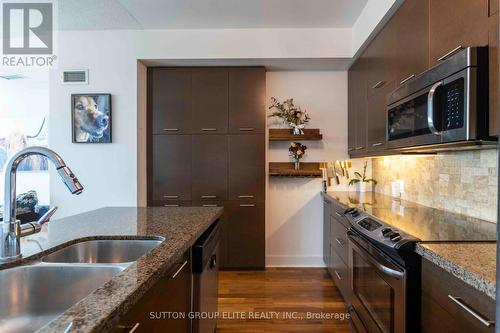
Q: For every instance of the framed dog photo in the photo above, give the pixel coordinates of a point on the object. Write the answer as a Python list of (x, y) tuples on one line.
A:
[(91, 118)]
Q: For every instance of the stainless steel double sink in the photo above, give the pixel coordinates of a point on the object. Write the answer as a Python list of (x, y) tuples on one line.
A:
[(33, 295)]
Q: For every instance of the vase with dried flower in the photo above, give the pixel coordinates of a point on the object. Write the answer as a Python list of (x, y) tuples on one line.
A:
[(291, 114), (361, 179), (297, 151)]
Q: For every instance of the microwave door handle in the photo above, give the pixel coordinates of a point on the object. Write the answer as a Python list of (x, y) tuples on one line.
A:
[(430, 107)]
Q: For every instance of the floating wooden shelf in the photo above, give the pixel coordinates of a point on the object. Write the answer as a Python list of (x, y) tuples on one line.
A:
[(287, 169), (283, 134)]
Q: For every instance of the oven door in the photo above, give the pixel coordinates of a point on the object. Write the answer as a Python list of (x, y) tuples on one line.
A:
[(440, 113), (378, 287)]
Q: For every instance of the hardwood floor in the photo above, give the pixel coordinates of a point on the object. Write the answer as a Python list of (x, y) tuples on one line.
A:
[(276, 292)]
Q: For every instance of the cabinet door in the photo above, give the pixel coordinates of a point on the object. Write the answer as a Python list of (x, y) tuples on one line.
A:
[(209, 163), (326, 231), (170, 96), (351, 111), (376, 115), (494, 89), (247, 171), (247, 104), (411, 28), (359, 110), (171, 168), (210, 104), (246, 235), (454, 23), (172, 293)]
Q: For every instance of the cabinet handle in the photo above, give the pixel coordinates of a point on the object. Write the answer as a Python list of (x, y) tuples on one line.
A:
[(179, 270), (338, 214), (209, 129), (213, 261), (351, 149), (483, 320), (378, 84), (338, 275), (450, 53), (168, 205), (359, 148), (171, 196), (171, 129), (126, 327), (377, 144), (245, 196), (208, 196), (246, 129), (403, 81), (247, 205), (341, 243), (209, 205)]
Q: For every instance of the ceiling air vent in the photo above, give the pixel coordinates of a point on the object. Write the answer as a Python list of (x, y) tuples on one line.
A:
[(75, 76)]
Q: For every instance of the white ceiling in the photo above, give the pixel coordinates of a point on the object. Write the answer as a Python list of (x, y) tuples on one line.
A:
[(207, 14)]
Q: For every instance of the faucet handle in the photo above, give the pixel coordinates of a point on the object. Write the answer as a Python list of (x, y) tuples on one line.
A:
[(34, 227), (46, 217)]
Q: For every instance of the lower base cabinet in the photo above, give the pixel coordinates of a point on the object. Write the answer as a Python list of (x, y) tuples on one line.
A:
[(171, 294), (244, 230), (451, 305)]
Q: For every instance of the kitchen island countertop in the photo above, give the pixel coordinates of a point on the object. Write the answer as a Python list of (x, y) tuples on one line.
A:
[(100, 311)]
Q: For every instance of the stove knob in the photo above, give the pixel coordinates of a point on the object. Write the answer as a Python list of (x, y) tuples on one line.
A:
[(354, 213), (386, 232), (395, 237)]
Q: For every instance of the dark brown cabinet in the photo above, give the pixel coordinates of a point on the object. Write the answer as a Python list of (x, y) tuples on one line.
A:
[(357, 119), (170, 168), (209, 167), (493, 58), (246, 234), (450, 305), (171, 294), (246, 175), (376, 115), (326, 231), (247, 94), (206, 147), (411, 44), (210, 100), (454, 23), (170, 100)]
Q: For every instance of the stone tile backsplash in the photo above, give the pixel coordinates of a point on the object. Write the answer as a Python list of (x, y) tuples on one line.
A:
[(462, 182)]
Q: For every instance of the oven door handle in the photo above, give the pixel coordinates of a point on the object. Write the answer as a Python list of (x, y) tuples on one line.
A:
[(430, 108), (384, 269)]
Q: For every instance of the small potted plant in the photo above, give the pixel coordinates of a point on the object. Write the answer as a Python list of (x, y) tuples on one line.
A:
[(291, 114), (362, 180), (297, 151)]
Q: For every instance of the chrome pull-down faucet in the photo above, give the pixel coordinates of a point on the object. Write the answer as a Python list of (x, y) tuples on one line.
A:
[(11, 230)]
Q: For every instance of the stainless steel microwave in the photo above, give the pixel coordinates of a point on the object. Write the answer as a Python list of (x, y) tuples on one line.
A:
[(445, 105)]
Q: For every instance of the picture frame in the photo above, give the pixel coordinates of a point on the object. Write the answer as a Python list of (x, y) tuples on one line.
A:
[(91, 120)]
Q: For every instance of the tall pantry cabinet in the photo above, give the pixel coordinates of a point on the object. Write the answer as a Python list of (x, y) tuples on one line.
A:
[(206, 147)]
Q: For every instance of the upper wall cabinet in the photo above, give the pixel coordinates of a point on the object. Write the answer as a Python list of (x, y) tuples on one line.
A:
[(210, 100), (247, 100), (410, 27), (455, 23), (357, 107), (170, 98)]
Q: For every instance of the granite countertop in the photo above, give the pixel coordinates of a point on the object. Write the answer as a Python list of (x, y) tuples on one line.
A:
[(99, 311), (473, 263)]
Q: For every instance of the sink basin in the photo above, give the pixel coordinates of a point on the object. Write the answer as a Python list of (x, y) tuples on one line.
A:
[(32, 296), (109, 251)]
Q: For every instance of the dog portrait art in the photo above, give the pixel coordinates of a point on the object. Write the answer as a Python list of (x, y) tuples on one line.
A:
[(91, 117)]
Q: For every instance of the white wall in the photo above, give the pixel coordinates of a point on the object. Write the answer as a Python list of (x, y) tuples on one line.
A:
[(109, 171), (294, 228)]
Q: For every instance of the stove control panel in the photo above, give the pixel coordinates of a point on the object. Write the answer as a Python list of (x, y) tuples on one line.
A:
[(377, 230)]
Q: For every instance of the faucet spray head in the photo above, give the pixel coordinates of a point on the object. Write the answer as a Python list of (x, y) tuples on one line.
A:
[(70, 180)]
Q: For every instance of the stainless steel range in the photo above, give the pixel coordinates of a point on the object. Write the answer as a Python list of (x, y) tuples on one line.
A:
[(384, 276)]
